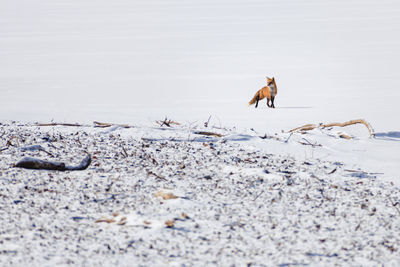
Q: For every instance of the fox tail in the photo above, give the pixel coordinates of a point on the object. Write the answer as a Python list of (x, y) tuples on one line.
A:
[(254, 99)]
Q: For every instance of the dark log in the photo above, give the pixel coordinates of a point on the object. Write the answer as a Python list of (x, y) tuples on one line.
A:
[(34, 163)]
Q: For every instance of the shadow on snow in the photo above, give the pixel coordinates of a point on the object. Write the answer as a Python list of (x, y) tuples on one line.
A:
[(392, 135)]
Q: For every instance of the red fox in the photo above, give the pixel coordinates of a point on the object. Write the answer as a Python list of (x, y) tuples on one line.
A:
[(268, 92)]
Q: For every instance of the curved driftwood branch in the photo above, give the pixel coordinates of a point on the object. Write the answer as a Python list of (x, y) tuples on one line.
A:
[(309, 127), (352, 122), (34, 163)]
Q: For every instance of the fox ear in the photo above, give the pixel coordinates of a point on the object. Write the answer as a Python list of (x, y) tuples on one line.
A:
[(268, 78)]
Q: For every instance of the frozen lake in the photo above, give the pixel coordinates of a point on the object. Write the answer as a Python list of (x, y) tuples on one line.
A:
[(135, 61), (299, 198)]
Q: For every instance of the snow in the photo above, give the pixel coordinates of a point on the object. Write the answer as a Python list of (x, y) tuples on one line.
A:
[(227, 202), (134, 62)]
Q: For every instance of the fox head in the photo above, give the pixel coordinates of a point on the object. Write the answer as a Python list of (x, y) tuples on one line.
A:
[(270, 81)]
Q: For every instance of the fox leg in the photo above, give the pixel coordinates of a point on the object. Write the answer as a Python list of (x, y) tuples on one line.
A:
[(268, 102), (272, 100), (258, 98)]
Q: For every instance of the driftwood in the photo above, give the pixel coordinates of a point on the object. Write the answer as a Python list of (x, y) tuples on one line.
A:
[(345, 136), (34, 163), (309, 127), (61, 124), (106, 124), (208, 133), (96, 124)]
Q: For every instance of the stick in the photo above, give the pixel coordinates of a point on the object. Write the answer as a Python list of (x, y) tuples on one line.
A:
[(258, 195), (167, 122), (124, 152), (206, 123), (309, 143), (394, 205), (287, 140)]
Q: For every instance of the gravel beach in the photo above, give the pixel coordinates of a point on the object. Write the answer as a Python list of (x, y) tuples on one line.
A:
[(177, 198)]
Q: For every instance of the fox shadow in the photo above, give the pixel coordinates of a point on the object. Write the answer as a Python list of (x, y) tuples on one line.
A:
[(294, 107)]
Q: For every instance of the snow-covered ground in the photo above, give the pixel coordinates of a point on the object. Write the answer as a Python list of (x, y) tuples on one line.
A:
[(160, 196), (136, 62)]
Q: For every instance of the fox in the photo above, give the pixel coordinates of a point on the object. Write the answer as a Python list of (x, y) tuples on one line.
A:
[(269, 92)]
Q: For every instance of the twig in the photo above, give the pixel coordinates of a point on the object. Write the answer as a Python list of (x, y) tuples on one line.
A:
[(9, 141), (156, 175), (206, 123), (258, 195), (308, 143), (167, 122), (287, 140), (394, 205), (348, 170), (125, 154), (334, 170), (358, 226)]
